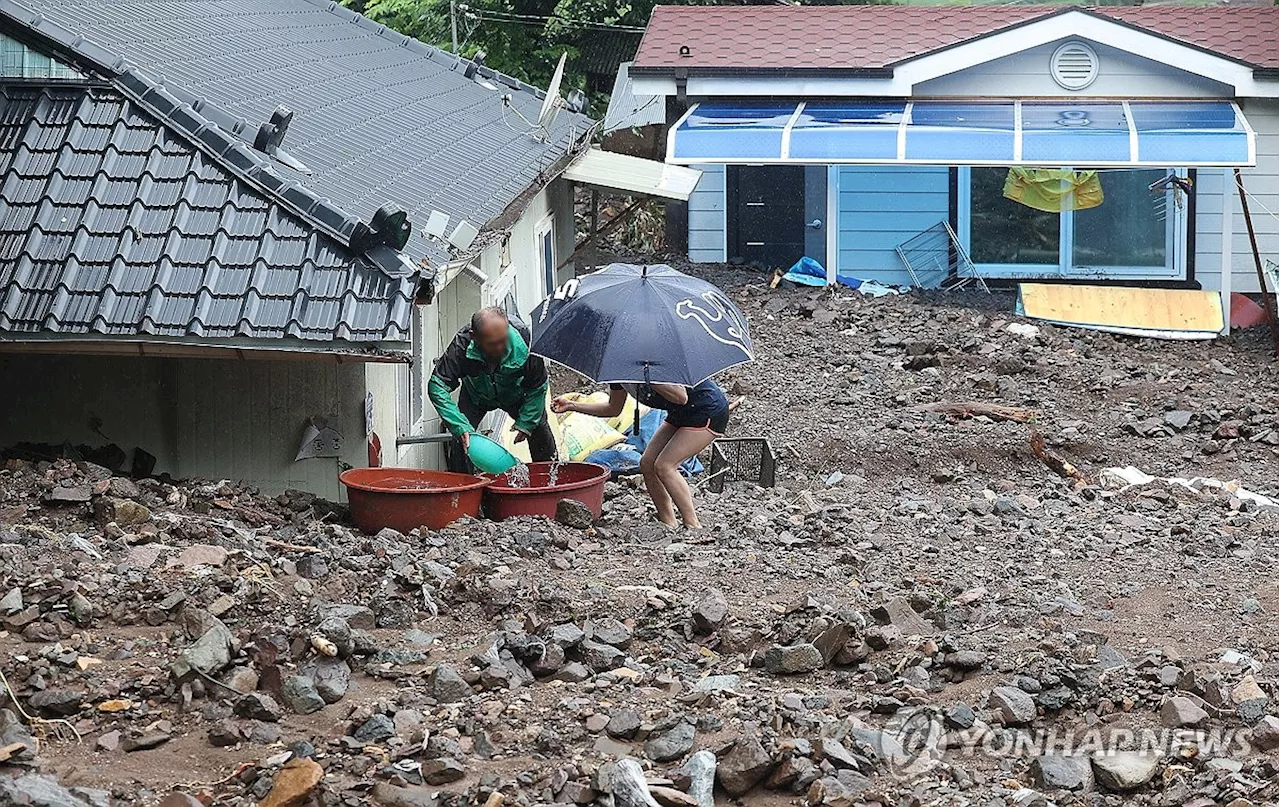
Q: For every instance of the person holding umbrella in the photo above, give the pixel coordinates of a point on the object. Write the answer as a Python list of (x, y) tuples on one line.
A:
[(660, 335), (695, 417)]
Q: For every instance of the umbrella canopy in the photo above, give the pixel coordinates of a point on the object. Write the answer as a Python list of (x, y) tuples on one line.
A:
[(641, 324)]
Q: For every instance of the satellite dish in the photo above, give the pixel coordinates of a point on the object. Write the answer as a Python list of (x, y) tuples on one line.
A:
[(552, 103)]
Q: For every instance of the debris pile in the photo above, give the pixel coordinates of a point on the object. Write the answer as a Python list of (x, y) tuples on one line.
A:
[(924, 609)]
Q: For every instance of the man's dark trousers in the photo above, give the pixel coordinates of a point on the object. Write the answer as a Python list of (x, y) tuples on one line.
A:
[(542, 443)]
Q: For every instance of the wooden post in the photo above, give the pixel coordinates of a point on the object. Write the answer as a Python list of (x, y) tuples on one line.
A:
[(1267, 302)]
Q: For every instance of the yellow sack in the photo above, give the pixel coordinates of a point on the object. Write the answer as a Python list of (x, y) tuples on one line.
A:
[(1053, 190), (507, 437), (584, 434)]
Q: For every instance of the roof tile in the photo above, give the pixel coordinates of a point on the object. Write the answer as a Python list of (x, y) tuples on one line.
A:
[(877, 37)]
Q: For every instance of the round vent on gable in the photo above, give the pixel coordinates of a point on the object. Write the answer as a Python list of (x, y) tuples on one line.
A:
[(1074, 66)]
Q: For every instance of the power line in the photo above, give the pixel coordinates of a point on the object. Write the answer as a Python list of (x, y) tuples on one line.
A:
[(507, 16)]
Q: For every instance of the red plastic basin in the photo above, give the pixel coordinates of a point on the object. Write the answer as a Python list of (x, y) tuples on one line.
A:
[(405, 498), (583, 481)]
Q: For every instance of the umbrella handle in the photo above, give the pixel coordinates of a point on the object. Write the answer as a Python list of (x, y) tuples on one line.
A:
[(636, 428)]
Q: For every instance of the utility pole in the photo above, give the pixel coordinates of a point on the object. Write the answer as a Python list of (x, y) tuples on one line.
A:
[(453, 22)]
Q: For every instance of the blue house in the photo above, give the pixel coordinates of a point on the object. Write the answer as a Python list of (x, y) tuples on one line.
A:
[(839, 132)]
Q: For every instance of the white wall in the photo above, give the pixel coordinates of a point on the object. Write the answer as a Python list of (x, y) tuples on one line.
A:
[(216, 418), (1027, 74), (706, 216), (1261, 182)]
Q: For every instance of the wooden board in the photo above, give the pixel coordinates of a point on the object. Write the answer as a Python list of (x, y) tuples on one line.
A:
[(1159, 313)]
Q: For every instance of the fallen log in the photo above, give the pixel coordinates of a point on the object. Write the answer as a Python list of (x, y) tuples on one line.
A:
[(972, 409)]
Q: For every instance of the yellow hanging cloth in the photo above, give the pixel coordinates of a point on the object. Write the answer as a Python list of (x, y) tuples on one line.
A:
[(1053, 190)]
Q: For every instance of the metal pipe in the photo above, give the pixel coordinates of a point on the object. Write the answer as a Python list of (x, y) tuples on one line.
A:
[(423, 439)]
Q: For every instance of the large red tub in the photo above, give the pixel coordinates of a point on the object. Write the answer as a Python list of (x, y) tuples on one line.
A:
[(583, 481), (405, 498)]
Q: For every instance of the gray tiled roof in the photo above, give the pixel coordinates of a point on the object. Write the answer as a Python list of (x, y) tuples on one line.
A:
[(380, 117), (113, 224)]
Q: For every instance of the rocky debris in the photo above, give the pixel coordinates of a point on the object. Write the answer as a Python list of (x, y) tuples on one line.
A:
[(628, 786), (1062, 772), (1012, 706), (909, 563), (575, 514), (793, 659), (1123, 771), (744, 766), (293, 784), (1180, 711)]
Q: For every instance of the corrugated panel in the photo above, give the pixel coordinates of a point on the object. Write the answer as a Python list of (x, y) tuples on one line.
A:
[(104, 238)]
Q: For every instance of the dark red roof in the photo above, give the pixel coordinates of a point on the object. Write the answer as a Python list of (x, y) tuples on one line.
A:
[(878, 37)]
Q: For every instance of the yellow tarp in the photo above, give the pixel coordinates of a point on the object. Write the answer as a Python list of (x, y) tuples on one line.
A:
[(1162, 313), (1053, 190)]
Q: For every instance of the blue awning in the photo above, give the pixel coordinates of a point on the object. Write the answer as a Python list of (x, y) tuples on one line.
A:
[(1044, 133)]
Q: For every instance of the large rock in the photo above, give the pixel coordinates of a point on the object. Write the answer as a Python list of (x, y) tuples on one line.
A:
[(1124, 770), (294, 784), (743, 767), (447, 685), (300, 695), (388, 795), (671, 743), (1013, 706), (1058, 772), (899, 613), (573, 513), (358, 617), (56, 702), (331, 677), (791, 659), (1181, 711), (710, 613), (34, 790), (210, 653), (1266, 735)]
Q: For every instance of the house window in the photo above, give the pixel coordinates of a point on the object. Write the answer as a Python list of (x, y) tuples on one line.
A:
[(19, 61), (544, 243), (1134, 232)]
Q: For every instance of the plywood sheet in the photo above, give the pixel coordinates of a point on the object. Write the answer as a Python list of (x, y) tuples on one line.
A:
[(1160, 313)]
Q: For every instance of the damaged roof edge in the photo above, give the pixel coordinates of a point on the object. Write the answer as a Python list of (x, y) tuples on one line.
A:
[(195, 347), (215, 132)]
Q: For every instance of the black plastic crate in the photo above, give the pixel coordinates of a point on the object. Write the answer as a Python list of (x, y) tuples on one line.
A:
[(742, 459)]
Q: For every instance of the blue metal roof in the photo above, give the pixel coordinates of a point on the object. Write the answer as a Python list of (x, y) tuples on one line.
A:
[(1046, 133)]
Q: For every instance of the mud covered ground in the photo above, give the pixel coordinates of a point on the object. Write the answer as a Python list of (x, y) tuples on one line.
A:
[(921, 611)]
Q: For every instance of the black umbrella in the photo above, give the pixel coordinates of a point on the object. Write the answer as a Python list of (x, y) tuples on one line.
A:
[(641, 324)]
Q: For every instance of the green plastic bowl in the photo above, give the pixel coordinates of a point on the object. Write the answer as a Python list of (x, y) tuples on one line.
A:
[(488, 456)]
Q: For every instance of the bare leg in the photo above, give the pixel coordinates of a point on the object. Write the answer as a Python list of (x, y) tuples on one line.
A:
[(678, 449), (652, 482)]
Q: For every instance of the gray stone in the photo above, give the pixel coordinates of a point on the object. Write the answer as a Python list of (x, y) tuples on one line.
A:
[(446, 685), (388, 795), (572, 673), (1181, 711), (702, 777), (375, 729), (210, 653), (567, 635), (967, 659), (743, 767), (1013, 706), (35, 790), (710, 613), (1266, 735), (331, 677), (575, 514), (718, 683), (623, 723), (56, 702), (792, 659), (145, 742), (300, 695), (1058, 772), (258, 706), (11, 602), (1124, 770), (959, 716), (611, 632), (601, 657), (356, 616), (442, 771), (1178, 418), (899, 613), (671, 744)]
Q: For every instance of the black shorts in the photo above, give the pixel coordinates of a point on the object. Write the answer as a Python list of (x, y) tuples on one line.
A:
[(717, 424)]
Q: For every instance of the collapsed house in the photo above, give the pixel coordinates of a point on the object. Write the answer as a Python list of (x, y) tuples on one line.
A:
[(236, 239)]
